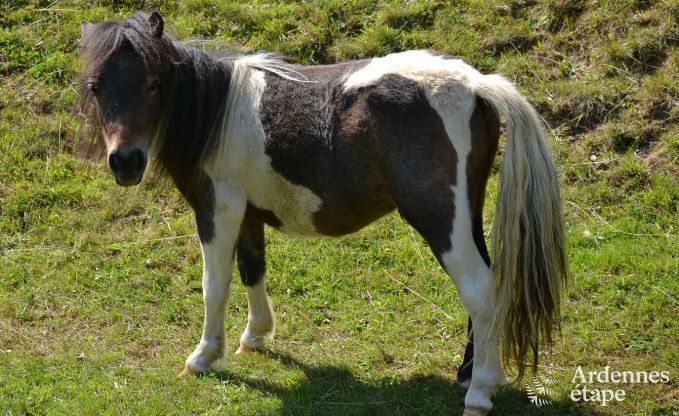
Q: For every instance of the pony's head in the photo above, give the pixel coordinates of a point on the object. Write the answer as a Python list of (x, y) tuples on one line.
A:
[(122, 89)]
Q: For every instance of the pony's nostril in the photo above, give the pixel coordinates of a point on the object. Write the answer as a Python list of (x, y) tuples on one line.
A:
[(138, 159), (113, 161)]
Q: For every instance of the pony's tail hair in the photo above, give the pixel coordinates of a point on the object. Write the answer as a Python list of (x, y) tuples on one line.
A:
[(528, 238)]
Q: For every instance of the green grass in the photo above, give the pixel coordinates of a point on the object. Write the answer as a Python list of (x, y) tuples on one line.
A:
[(100, 286)]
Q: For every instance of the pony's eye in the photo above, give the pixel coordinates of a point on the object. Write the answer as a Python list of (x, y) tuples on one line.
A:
[(92, 87), (154, 85)]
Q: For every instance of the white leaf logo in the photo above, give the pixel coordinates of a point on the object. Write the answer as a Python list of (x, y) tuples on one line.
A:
[(539, 392)]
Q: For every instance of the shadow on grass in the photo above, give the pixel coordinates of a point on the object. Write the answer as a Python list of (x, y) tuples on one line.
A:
[(331, 390)]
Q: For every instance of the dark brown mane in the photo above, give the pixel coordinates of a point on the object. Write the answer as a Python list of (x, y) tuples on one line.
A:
[(193, 87)]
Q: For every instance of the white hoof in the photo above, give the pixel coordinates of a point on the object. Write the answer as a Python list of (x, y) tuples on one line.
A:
[(204, 359), (474, 411), (252, 340), (245, 349)]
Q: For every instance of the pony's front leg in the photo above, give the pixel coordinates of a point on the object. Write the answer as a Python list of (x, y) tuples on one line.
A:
[(217, 240), (252, 266)]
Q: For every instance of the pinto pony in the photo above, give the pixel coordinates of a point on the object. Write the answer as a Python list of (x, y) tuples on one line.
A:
[(326, 150)]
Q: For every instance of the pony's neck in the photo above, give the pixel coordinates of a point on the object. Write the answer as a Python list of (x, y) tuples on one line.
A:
[(196, 96)]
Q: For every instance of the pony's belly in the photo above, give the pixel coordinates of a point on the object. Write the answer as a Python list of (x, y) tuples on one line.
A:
[(346, 215), (306, 214)]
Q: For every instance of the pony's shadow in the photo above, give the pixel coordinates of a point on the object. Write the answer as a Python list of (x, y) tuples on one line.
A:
[(334, 390)]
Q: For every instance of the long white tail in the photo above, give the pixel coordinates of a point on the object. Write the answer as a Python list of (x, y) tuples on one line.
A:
[(528, 240)]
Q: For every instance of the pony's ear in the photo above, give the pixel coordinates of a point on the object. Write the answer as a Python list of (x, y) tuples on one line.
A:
[(156, 22), (86, 30)]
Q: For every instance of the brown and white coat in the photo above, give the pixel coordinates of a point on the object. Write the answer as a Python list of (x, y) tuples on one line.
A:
[(326, 150)]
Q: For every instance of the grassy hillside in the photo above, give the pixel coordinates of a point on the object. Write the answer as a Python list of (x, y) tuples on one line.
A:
[(100, 285)]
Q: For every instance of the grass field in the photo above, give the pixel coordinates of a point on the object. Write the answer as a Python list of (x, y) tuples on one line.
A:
[(100, 297)]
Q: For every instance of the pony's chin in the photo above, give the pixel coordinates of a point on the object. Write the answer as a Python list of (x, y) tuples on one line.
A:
[(127, 181)]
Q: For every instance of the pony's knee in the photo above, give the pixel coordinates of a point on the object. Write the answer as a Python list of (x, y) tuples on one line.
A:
[(250, 253), (251, 270)]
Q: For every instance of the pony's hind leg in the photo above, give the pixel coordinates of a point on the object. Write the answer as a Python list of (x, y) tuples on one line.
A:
[(252, 267), (442, 198), (484, 127), (457, 253)]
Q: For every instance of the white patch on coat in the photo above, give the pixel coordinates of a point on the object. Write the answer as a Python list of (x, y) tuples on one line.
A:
[(241, 158)]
